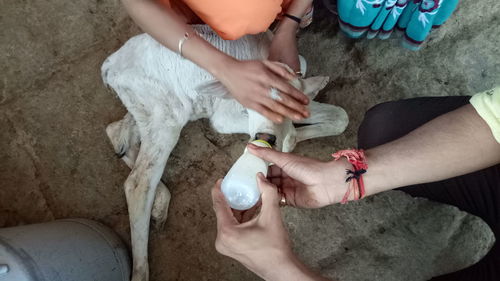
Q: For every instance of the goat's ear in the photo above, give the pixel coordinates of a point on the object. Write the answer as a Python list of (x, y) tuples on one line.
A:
[(213, 88), (311, 86)]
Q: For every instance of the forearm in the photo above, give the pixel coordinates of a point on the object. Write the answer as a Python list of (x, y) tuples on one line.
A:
[(298, 8), (168, 28), (453, 144)]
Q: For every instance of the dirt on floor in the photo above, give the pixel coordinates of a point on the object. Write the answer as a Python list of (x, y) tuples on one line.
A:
[(56, 161)]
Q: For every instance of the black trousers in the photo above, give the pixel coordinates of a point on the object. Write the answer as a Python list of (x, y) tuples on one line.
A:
[(477, 193)]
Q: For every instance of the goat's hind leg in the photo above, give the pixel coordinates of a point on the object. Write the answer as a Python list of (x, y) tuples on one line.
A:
[(140, 188), (125, 138)]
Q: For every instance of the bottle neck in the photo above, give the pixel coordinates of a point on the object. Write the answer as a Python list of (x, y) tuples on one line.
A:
[(269, 138), (261, 143)]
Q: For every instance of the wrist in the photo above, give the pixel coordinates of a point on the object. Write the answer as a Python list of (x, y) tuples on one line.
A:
[(289, 267), (363, 173), (271, 265), (220, 65), (335, 183), (297, 9), (286, 27)]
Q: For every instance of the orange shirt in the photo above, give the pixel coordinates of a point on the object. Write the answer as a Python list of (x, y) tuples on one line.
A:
[(231, 19)]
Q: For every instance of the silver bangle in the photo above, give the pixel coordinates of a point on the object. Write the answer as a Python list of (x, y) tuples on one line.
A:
[(181, 42)]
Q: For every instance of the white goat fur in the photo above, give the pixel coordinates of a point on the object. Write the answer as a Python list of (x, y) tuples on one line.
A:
[(162, 92)]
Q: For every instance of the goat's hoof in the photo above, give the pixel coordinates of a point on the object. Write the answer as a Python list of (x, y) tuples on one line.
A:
[(159, 213), (158, 225), (158, 221), (121, 153)]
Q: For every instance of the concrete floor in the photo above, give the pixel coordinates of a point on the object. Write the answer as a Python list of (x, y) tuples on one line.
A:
[(56, 161)]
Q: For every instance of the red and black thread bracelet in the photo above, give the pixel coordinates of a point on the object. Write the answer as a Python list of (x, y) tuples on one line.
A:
[(354, 177)]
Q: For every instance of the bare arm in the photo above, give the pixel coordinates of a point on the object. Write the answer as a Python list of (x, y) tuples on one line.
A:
[(284, 45), (453, 144), (456, 143), (168, 28), (249, 82)]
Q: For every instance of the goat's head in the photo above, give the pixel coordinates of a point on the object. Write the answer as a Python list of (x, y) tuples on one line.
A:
[(281, 136)]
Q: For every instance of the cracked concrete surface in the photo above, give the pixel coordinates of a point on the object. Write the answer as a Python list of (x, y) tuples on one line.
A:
[(56, 161)]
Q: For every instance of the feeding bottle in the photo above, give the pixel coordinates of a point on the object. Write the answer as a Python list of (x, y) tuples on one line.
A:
[(240, 184)]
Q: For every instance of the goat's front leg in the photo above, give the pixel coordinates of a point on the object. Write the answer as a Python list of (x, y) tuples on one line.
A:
[(140, 188), (326, 120)]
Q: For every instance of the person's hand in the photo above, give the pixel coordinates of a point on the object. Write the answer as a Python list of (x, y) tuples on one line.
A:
[(250, 83), (261, 244), (284, 49), (305, 182)]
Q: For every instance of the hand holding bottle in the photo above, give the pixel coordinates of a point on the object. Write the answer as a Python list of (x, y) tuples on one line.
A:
[(261, 244), (305, 182)]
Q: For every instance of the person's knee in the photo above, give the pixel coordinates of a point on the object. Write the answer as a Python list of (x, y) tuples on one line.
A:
[(377, 125)]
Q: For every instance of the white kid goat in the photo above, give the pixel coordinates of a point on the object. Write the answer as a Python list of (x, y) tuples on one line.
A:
[(162, 92)]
